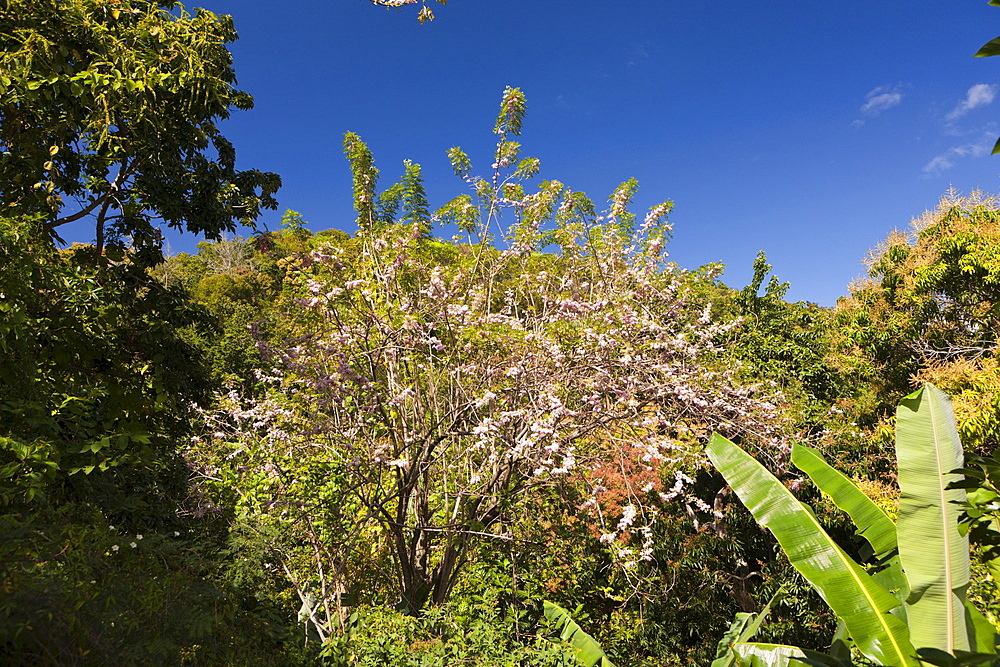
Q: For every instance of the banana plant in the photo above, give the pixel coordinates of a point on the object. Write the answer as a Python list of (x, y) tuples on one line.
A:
[(587, 651), (907, 610)]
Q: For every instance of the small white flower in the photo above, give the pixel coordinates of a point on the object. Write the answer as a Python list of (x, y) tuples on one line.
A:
[(132, 544), (114, 547), (177, 533), (629, 513), (138, 536)]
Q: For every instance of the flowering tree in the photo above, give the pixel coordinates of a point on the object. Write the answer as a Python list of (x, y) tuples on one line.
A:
[(434, 387)]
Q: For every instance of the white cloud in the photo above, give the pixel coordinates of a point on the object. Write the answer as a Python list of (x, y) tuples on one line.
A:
[(938, 164), (881, 99), (947, 159), (978, 95)]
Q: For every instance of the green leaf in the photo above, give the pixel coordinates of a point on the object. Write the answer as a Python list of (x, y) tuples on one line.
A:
[(990, 48), (851, 592), (724, 656), (742, 630), (934, 556), (889, 576), (996, 148), (932, 656), (588, 652), (780, 655), (840, 644), (873, 523), (982, 634)]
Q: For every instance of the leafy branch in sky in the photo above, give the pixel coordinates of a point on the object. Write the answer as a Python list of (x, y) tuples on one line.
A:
[(109, 111), (425, 14), (991, 48)]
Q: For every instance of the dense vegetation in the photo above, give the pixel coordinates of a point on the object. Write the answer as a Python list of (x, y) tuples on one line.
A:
[(383, 447)]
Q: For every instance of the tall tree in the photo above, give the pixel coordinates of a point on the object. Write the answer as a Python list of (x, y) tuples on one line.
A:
[(432, 390), (108, 111), (930, 311)]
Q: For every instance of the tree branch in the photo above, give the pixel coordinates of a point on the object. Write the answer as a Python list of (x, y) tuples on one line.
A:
[(113, 187)]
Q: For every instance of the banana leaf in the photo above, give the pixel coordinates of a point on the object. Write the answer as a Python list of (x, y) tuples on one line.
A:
[(889, 575), (982, 634), (742, 630), (780, 655), (933, 656), (873, 523), (933, 553), (851, 592), (586, 649), (724, 656), (840, 644)]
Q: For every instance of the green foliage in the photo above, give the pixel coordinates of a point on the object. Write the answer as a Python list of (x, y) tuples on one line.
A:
[(588, 652), (414, 199), (930, 312), (743, 628), (981, 508), (479, 636), (77, 590), (841, 581), (787, 344), (84, 383), (293, 223), (365, 177), (886, 613), (109, 110)]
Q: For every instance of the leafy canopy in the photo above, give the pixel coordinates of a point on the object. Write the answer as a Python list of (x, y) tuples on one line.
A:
[(929, 312), (109, 109)]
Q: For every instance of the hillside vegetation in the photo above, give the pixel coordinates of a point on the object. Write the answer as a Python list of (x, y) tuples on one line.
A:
[(393, 441)]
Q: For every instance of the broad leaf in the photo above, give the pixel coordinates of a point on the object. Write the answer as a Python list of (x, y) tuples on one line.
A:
[(934, 555), (780, 655), (742, 630), (724, 656), (851, 592), (890, 577), (588, 652), (982, 634), (933, 656), (990, 48), (873, 523), (840, 645)]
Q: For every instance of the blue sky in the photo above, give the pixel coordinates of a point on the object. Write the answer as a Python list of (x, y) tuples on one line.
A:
[(807, 130)]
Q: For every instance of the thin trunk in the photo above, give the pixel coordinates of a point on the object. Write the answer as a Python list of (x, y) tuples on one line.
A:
[(99, 237)]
